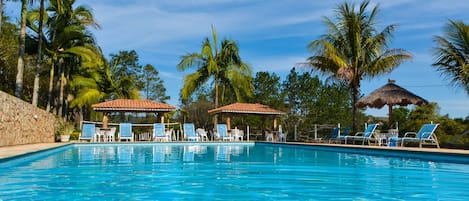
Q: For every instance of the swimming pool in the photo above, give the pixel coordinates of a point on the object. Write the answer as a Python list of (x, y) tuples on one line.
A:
[(211, 171)]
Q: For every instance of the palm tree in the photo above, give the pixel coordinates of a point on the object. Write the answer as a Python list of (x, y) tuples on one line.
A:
[(67, 29), (1, 15), (452, 54), (224, 66), (353, 49), (39, 55), (22, 39)]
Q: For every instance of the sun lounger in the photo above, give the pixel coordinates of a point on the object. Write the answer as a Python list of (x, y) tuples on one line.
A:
[(222, 133), (189, 132), (158, 132), (426, 135), (366, 135), (88, 132), (125, 132)]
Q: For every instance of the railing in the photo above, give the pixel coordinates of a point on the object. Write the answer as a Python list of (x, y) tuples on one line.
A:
[(318, 132)]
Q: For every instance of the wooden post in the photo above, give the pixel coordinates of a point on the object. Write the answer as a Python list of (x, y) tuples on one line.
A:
[(161, 114), (275, 123)]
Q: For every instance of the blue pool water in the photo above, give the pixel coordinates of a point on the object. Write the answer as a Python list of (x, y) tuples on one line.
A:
[(226, 172)]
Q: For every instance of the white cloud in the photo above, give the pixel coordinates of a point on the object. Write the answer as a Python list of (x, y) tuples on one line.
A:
[(276, 64)]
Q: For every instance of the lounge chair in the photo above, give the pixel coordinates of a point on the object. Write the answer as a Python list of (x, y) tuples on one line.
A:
[(88, 132), (222, 133), (334, 135), (158, 132), (125, 132), (340, 136), (189, 132), (426, 135), (366, 135)]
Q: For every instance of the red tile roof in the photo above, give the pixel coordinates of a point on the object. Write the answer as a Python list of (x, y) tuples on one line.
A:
[(247, 108), (128, 105)]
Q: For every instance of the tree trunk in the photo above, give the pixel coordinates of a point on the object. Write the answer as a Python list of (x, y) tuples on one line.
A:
[(65, 102), (39, 56), (355, 93), (51, 87), (1, 16), (60, 104), (215, 120), (22, 40)]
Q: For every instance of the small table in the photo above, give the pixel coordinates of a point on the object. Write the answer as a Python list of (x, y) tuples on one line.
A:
[(381, 137), (101, 133)]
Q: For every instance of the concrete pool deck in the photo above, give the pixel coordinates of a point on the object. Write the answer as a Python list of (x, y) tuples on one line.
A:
[(12, 151)]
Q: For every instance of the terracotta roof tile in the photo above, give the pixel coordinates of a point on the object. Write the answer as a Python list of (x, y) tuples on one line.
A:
[(132, 105), (249, 108)]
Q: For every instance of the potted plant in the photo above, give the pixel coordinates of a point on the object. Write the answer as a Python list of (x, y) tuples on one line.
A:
[(63, 131)]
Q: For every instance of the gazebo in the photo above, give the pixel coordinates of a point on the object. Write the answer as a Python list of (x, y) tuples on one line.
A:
[(390, 94), (129, 105), (247, 108)]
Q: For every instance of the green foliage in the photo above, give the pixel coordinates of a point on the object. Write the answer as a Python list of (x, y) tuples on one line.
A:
[(8, 55), (449, 130), (268, 90), (452, 54), (354, 49), (126, 74), (64, 128), (153, 85), (197, 112), (230, 75)]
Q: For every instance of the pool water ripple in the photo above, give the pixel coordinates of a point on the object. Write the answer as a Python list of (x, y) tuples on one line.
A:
[(226, 172)]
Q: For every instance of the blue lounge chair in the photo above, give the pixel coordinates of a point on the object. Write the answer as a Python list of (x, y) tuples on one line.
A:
[(125, 132), (366, 135), (426, 135), (222, 133), (158, 132), (334, 135), (189, 132), (88, 132)]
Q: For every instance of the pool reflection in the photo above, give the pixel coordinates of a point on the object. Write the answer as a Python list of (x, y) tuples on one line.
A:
[(158, 153)]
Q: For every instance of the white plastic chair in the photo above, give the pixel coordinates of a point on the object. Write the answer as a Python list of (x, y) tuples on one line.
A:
[(202, 134)]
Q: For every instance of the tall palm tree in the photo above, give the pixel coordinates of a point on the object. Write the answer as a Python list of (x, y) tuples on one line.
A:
[(22, 39), (67, 29), (452, 54), (223, 65), (39, 55), (1, 16), (353, 49)]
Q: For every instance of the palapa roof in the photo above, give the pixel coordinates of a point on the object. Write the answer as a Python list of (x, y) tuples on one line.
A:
[(390, 94), (129, 105), (246, 108)]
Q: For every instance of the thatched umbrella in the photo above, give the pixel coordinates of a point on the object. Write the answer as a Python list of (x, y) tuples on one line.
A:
[(390, 94)]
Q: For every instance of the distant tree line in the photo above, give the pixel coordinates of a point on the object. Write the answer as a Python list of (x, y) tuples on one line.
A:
[(60, 61)]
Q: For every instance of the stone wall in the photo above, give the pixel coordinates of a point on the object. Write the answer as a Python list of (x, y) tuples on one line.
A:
[(22, 123)]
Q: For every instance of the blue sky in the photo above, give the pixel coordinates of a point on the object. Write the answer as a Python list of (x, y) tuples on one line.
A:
[(273, 35)]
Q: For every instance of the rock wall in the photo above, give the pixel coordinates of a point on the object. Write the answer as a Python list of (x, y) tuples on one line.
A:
[(22, 123)]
